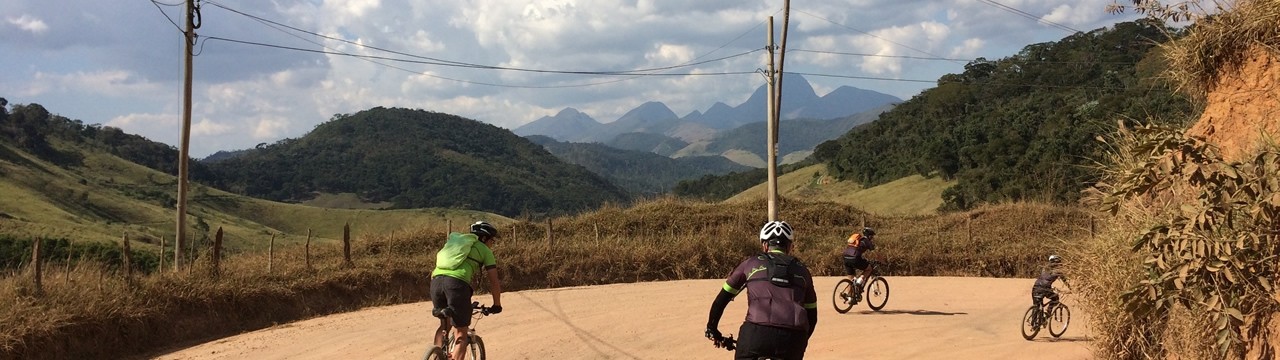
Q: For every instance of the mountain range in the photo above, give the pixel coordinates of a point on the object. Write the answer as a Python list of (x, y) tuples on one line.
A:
[(799, 102)]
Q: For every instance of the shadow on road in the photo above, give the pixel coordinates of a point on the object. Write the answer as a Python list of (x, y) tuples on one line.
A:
[(1063, 339), (910, 312)]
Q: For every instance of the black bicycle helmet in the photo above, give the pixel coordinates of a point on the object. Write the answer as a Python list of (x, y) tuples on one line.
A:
[(868, 232), (483, 229)]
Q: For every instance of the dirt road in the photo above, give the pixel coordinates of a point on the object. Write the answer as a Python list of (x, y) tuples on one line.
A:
[(926, 318)]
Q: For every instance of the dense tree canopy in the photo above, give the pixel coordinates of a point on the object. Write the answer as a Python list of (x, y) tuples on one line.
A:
[(1023, 127), (413, 159)]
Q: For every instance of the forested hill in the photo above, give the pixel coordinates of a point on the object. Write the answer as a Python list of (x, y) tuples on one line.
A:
[(416, 158), (639, 172), (1022, 127)]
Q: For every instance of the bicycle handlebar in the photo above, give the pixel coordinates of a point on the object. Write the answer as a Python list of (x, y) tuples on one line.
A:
[(726, 342), (479, 309)]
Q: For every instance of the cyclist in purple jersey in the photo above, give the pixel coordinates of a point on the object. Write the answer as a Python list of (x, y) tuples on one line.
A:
[(1044, 283), (782, 305)]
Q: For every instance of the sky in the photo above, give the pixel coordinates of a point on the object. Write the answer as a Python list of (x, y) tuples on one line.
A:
[(267, 70)]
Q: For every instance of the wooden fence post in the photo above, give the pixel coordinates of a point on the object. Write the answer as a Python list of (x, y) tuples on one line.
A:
[(307, 250), (346, 244), (217, 251), (550, 241), (128, 260), (597, 226), (161, 256), (448, 226), (35, 261), (968, 228), (271, 252), (1093, 230)]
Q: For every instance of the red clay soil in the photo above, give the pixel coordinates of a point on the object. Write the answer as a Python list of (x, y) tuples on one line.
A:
[(1243, 105)]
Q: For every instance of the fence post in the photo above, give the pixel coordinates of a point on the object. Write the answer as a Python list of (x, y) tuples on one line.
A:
[(217, 251), (968, 228), (1093, 231), (597, 226), (550, 241), (346, 244), (307, 250), (161, 256), (35, 260), (128, 260), (271, 252), (448, 226)]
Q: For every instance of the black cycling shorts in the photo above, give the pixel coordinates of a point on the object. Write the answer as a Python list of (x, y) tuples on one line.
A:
[(757, 341), (852, 265), (449, 292)]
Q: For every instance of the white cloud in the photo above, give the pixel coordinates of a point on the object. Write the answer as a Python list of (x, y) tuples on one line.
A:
[(29, 24), (269, 128), (206, 127), (968, 49), (111, 83), (131, 122)]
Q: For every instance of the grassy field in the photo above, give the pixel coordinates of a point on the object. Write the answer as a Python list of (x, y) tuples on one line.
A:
[(108, 197), (912, 195), (662, 239)]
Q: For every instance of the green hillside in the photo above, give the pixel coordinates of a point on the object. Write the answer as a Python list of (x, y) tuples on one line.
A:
[(912, 195), (78, 191), (1019, 128), (639, 172), (417, 159)]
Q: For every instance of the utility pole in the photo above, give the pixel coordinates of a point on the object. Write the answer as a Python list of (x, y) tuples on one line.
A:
[(189, 40), (774, 108), (772, 139)]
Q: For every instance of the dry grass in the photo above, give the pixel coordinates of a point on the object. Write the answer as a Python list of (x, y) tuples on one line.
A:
[(663, 239), (1220, 44)]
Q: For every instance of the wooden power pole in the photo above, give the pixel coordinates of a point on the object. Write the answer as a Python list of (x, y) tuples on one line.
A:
[(189, 40)]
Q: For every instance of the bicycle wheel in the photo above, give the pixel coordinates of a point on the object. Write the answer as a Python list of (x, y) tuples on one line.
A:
[(1059, 319), (1030, 325), (877, 293), (842, 296), (435, 353), (477, 348)]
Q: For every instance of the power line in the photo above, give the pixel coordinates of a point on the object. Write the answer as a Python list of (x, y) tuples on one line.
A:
[(442, 62), (1029, 16), (372, 57), (869, 34), (166, 15), (952, 59)]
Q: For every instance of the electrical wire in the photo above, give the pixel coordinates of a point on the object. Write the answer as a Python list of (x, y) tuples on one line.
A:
[(1025, 14), (951, 59), (166, 15)]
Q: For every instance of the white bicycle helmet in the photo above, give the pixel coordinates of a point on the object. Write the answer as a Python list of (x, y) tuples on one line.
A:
[(1055, 258), (776, 230)]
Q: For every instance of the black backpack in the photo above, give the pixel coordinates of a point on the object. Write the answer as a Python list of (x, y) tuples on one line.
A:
[(782, 270)]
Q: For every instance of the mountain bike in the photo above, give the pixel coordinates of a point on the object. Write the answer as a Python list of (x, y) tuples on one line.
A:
[(1048, 313), (876, 291), (439, 352)]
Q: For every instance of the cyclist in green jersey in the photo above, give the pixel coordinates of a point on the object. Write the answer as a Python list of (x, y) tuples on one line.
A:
[(461, 258)]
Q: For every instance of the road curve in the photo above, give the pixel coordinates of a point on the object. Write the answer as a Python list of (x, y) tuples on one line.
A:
[(926, 318)]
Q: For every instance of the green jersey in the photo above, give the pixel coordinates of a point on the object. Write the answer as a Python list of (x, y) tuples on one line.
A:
[(475, 254)]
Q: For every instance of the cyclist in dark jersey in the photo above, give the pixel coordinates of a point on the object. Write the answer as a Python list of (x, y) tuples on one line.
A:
[(1044, 283), (855, 265), (451, 285), (782, 306)]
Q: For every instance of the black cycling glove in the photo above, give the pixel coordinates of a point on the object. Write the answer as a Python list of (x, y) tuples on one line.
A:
[(713, 334)]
